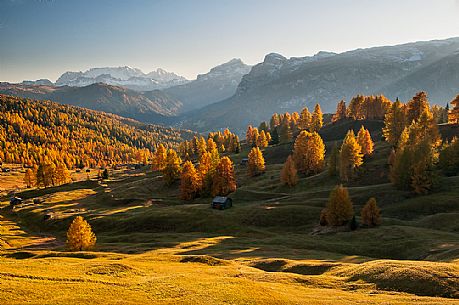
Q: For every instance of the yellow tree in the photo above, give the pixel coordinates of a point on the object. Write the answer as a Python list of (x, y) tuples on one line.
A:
[(371, 214), (453, 113), (365, 141), (248, 135), (159, 158), (394, 123), (339, 207), (62, 174), (80, 235), (262, 140), (317, 119), (309, 152), (350, 156), (340, 111), (288, 175), (171, 171), (224, 181), (29, 178), (190, 182), (304, 122), (416, 106), (256, 162)]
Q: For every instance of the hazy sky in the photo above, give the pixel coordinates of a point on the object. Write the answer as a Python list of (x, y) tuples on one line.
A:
[(44, 38)]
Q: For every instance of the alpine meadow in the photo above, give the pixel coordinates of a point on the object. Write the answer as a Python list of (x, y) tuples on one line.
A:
[(328, 177)]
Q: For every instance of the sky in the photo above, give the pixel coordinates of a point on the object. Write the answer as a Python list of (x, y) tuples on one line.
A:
[(45, 38)]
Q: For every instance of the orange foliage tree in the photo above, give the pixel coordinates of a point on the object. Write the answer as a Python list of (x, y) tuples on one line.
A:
[(365, 141), (339, 207), (309, 152), (288, 175), (80, 235), (256, 162), (350, 156), (371, 214), (224, 181), (190, 182)]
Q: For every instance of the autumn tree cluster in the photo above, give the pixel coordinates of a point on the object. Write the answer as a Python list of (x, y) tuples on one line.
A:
[(36, 132), (224, 142)]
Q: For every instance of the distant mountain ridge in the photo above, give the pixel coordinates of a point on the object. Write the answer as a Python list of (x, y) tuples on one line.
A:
[(279, 84), (126, 76), (216, 85), (151, 107)]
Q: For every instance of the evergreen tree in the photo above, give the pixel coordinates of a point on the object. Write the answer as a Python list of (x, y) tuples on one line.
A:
[(371, 214), (275, 136), (190, 183), (80, 236), (339, 207), (449, 158), (288, 174), (256, 162), (105, 174), (333, 162), (224, 181), (317, 119), (350, 156)]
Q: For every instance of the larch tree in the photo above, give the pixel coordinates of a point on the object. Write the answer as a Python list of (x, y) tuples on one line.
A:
[(249, 135), (171, 171), (288, 175), (453, 113), (62, 174), (394, 123), (256, 162), (333, 161), (370, 213), (317, 119), (304, 122), (190, 182), (416, 106), (262, 140), (339, 209), (309, 153), (350, 156), (159, 158), (80, 236), (29, 178), (340, 111), (224, 181), (365, 141)]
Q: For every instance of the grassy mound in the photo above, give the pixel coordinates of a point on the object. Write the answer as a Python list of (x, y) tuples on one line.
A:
[(417, 277)]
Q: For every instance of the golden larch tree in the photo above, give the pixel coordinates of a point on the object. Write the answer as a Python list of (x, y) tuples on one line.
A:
[(171, 171), (29, 178), (394, 123), (256, 162), (224, 181), (317, 119), (309, 152), (262, 140), (288, 175), (190, 182), (370, 213), (340, 111), (159, 157), (339, 207), (62, 174), (350, 156), (80, 236), (365, 141), (453, 113), (304, 122)]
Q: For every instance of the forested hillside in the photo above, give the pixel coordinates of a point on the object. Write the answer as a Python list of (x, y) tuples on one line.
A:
[(35, 131)]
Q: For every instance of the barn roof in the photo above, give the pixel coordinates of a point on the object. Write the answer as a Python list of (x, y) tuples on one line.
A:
[(220, 199)]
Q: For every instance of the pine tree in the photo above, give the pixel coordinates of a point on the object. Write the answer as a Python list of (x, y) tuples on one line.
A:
[(275, 136), (29, 178), (172, 170), (105, 174), (339, 207), (190, 182), (80, 236), (333, 161), (285, 132), (317, 119), (371, 214), (256, 162), (340, 111), (309, 152), (159, 158), (365, 141), (304, 122), (350, 156), (288, 175), (224, 181)]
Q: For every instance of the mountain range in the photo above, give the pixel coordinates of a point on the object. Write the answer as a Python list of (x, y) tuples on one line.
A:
[(234, 94)]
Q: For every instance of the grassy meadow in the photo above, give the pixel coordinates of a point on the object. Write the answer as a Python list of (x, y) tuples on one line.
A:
[(268, 249)]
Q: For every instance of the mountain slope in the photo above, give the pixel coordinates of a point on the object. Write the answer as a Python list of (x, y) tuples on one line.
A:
[(150, 107), (216, 85), (279, 84)]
